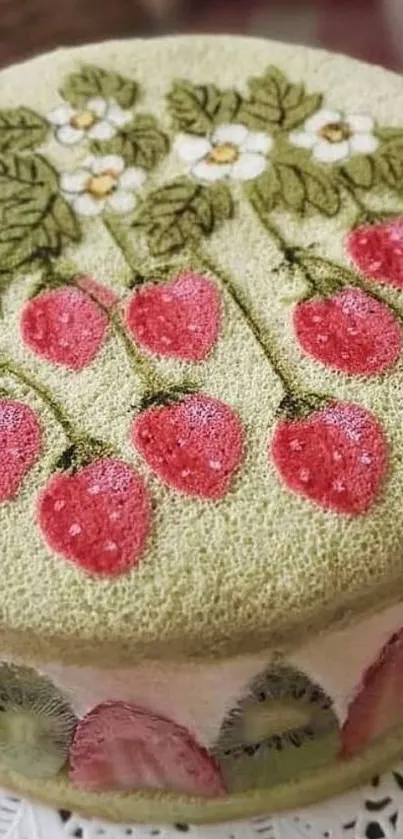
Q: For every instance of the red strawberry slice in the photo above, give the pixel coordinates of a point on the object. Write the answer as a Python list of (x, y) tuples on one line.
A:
[(194, 445), (377, 250), (336, 456), (120, 746), (98, 517), (64, 326), (180, 319), (20, 443), (378, 705), (349, 331)]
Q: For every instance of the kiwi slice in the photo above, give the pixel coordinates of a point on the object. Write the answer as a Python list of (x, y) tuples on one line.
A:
[(36, 723), (285, 725)]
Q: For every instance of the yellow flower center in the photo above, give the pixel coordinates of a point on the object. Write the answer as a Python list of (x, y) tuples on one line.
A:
[(83, 120), (100, 186), (335, 132), (224, 153)]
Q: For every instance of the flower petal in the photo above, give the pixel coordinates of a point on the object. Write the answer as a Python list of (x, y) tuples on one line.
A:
[(257, 141), (98, 105), (116, 115), (248, 166), (111, 162), (121, 201), (132, 178), (204, 171), (68, 135), (101, 131), (61, 115), (303, 139), (331, 152), (364, 143), (229, 133), (191, 148), (86, 205), (360, 122), (74, 182), (321, 118)]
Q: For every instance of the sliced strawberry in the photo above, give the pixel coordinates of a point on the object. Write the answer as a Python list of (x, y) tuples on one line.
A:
[(378, 705), (20, 442), (377, 250), (180, 319), (120, 746)]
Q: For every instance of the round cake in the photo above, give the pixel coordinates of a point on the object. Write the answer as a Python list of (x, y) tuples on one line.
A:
[(201, 427)]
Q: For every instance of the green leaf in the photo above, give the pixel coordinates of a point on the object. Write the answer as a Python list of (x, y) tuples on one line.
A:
[(276, 103), (21, 129), (295, 183), (197, 109), (141, 143), (388, 161), (93, 81), (360, 171), (35, 220), (264, 192), (182, 212)]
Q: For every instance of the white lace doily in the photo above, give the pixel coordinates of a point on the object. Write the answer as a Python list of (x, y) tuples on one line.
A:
[(372, 812)]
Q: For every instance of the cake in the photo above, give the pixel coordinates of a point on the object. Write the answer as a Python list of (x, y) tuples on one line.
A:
[(201, 437)]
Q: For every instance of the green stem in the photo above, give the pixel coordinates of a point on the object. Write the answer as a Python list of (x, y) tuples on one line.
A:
[(7, 366), (258, 330), (118, 232)]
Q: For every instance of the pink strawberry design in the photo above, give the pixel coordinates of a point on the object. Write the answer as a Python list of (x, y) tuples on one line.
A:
[(377, 250), (97, 517), (377, 705), (335, 456), (105, 296), (194, 445), (180, 319), (120, 746), (349, 331), (65, 326), (20, 442)]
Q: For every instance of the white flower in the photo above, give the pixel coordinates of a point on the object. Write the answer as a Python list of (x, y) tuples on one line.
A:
[(98, 119), (102, 183), (230, 152), (333, 136)]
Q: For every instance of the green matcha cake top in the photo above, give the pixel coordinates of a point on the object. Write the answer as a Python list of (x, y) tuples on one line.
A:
[(201, 273)]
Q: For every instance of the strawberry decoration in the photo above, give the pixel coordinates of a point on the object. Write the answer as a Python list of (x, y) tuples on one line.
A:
[(98, 517), (377, 250), (179, 319), (104, 295), (194, 444), (349, 331), (66, 325), (20, 442), (377, 705), (120, 746), (334, 453)]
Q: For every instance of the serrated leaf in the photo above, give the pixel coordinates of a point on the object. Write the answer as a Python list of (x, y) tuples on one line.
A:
[(388, 161), (276, 103), (291, 186), (264, 192), (21, 129), (197, 109), (320, 190), (360, 171), (181, 212), (93, 81), (35, 220), (141, 143)]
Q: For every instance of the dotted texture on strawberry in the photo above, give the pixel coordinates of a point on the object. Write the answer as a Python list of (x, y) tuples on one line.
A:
[(120, 746), (194, 445), (20, 443), (350, 331), (98, 517), (336, 457), (180, 319), (377, 250), (64, 326), (378, 704)]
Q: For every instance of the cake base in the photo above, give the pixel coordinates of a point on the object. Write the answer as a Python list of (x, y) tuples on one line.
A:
[(163, 808)]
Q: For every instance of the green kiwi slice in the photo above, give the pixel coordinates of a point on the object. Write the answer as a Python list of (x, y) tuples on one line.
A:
[(36, 723), (283, 726)]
